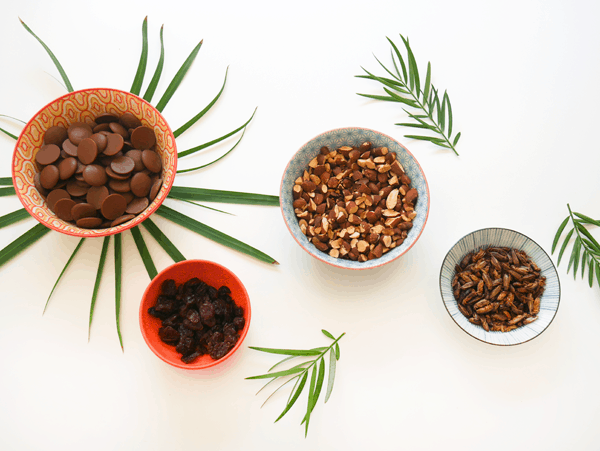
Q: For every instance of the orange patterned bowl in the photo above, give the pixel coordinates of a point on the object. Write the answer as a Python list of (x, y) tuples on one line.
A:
[(84, 106)]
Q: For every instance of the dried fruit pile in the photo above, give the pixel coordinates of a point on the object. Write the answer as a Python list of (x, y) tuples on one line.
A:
[(355, 203), (198, 319), (498, 288)]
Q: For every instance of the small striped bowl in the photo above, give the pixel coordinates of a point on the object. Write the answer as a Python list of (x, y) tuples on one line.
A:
[(509, 238)]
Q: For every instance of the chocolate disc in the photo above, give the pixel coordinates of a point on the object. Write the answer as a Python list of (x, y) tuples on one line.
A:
[(115, 176), (152, 161), (83, 210), (78, 132), (128, 196), (89, 222), (96, 195), (113, 206), (140, 184), (63, 207), (38, 184), (121, 220), (118, 128), (120, 186), (95, 175), (101, 128), (137, 205), (80, 167), (55, 135), (55, 196), (79, 177), (64, 154), (67, 168), (114, 145), (48, 154), (49, 176), (136, 156), (70, 148), (143, 138), (122, 165), (100, 140), (128, 121), (87, 151), (106, 118), (155, 189), (77, 188)]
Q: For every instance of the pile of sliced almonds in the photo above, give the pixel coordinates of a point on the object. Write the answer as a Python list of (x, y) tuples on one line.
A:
[(355, 203)]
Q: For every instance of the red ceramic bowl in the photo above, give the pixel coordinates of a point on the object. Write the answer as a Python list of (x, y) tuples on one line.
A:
[(211, 273), (84, 106)]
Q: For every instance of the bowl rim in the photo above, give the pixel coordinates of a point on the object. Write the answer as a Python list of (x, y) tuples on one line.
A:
[(101, 232), (467, 332), (179, 363), (341, 265)]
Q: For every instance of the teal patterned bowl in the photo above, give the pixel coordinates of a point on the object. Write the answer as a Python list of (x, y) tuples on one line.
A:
[(504, 238), (353, 136)]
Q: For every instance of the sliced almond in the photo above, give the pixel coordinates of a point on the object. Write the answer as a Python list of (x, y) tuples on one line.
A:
[(392, 199)]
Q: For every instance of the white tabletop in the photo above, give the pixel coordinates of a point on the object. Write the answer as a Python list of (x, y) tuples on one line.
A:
[(523, 80)]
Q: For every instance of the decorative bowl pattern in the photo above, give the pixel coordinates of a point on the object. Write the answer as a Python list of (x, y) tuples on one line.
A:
[(84, 106), (509, 238), (353, 136), (209, 272)]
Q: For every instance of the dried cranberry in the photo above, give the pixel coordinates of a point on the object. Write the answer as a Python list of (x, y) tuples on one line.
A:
[(207, 314), (212, 293), (219, 351), (185, 346), (224, 290), (238, 311), (229, 329), (169, 288), (190, 357), (168, 335), (239, 322)]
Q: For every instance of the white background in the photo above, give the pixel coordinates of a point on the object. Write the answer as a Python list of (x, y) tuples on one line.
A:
[(523, 80)]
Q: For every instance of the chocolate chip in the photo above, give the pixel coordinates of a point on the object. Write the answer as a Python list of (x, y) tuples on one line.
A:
[(101, 128), (155, 189), (96, 195), (87, 151), (83, 210), (128, 196), (63, 208), (128, 121), (48, 154), (55, 135), (140, 184), (67, 168), (100, 140), (120, 186), (89, 223), (136, 156), (55, 196), (121, 220), (49, 176), (122, 165), (38, 184), (78, 132), (143, 138), (118, 128), (115, 176), (77, 188), (113, 206), (137, 205), (106, 118), (114, 144), (151, 160), (69, 148), (95, 175)]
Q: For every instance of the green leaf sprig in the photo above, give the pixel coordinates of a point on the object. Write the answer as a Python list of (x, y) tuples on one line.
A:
[(299, 373), (586, 249), (404, 87)]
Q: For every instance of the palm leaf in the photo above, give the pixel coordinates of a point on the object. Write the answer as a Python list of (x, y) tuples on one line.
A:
[(587, 219), (162, 239), (214, 161), (558, 233), (226, 197), (413, 69), (400, 59), (6, 181), (427, 83), (22, 243), (294, 397), (331, 377), (141, 70), (433, 139), (199, 205), (54, 59), (13, 118), (384, 98), (98, 279), (294, 370), (213, 234), (214, 141), (62, 272), (118, 270), (144, 252), (13, 217), (197, 117), (10, 191), (311, 395), (294, 352), (8, 133), (178, 78), (564, 245), (151, 89)]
